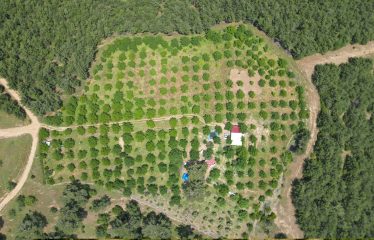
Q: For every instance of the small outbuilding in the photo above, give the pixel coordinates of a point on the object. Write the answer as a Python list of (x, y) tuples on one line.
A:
[(211, 162), (236, 136)]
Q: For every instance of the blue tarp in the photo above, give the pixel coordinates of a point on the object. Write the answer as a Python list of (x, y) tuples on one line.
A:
[(212, 135), (185, 177)]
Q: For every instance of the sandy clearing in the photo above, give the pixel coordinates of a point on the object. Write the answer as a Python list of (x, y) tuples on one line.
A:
[(284, 209), (339, 56), (242, 75), (121, 142), (16, 132), (260, 130), (237, 75)]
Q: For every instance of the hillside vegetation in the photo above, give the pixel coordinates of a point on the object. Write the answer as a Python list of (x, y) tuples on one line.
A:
[(334, 199), (76, 205), (159, 107), (49, 45)]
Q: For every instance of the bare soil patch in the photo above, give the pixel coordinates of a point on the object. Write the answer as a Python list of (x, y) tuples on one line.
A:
[(237, 75), (339, 56), (259, 131), (121, 143)]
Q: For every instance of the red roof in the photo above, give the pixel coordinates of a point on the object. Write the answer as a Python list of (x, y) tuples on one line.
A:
[(235, 129), (211, 162)]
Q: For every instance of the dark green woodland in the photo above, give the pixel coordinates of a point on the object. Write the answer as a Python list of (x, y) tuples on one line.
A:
[(334, 199), (47, 46)]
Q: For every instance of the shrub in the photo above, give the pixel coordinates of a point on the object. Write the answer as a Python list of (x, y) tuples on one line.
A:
[(71, 167), (263, 114), (100, 203), (173, 122), (217, 55), (261, 83)]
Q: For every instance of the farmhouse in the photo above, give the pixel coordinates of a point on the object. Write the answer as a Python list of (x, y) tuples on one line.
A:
[(236, 136)]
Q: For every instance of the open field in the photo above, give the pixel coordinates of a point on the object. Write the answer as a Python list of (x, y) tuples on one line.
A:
[(9, 121), (47, 196), (13, 156), (145, 116)]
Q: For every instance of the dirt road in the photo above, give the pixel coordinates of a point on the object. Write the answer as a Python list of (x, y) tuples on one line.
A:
[(33, 130), (158, 119), (339, 56), (284, 208)]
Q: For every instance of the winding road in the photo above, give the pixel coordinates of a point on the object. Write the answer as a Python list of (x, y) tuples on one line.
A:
[(33, 130), (284, 210)]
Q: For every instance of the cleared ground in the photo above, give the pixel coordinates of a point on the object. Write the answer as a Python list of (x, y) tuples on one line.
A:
[(337, 57), (9, 121)]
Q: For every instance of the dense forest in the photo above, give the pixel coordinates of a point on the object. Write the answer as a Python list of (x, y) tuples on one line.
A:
[(47, 46), (334, 199)]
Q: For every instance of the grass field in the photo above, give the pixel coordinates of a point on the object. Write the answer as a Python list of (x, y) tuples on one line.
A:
[(47, 196), (144, 118), (13, 155), (9, 121)]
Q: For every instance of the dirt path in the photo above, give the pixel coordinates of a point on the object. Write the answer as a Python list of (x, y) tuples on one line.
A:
[(33, 130), (158, 119), (284, 208), (339, 56)]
